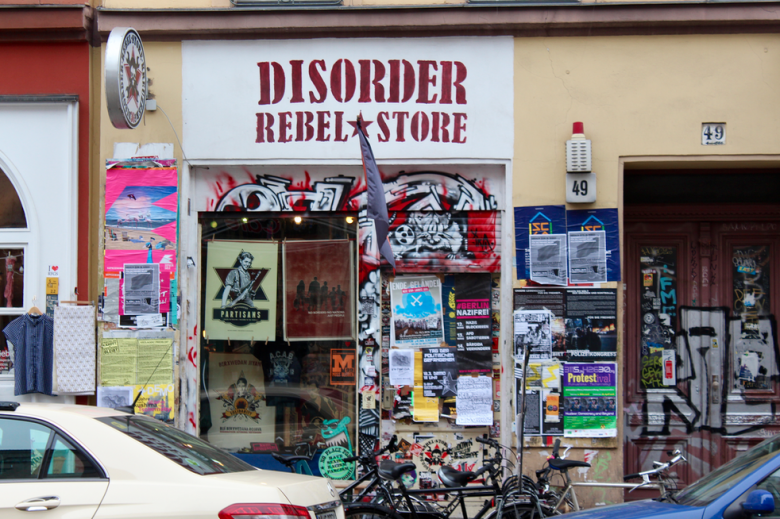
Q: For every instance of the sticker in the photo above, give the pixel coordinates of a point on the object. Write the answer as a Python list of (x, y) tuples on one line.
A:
[(669, 367), (552, 408), (649, 318), (369, 399), (54, 271), (332, 463), (342, 368), (647, 280), (435, 454), (52, 285)]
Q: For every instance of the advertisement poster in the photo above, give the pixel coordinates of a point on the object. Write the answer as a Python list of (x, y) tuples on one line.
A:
[(115, 260), (417, 311), (532, 333), (552, 423), (156, 401), (474, 323), (593, 220), (343, 367), (141, 289), (318, 290), (238, 411), (440, 372), (591, 324), (141, 209), (548, 219), (658, 307), (450, 318), (240, 298), (590, 400), (548, 259), (587, 257)]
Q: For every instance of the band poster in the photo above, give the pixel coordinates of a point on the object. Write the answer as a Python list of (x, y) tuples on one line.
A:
[(241, 279), (318, 290), (238, 412), (590, 400), (417, 311), (474, 323)]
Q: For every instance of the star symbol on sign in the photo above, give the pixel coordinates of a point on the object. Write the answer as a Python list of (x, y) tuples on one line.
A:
[(365, 126), (256, 286)]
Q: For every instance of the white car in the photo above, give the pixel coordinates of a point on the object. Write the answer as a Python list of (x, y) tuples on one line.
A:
[(78, 462)]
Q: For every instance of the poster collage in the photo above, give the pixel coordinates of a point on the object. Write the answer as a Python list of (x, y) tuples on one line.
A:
[(565, 323), (139, 302)]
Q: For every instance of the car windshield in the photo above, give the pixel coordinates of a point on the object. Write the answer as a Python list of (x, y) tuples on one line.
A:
[(184, 449), (717, 482)]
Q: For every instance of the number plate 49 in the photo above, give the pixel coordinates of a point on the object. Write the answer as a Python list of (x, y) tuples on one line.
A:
[(580, 188)]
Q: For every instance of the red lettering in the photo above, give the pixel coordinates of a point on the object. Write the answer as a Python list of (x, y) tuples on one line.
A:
[(459, 125), (297, 81), (381, 120), (426, 78), (284, 125), (420, 125), (399, 117), (301, 125), (318, 82), (408, 81), (322, 125), (264, 131), (365, 81), (460, 77), (446, 83), (395, 80), (445, 132), (339, 128), (349, 84), (265, 83), (379, 75)]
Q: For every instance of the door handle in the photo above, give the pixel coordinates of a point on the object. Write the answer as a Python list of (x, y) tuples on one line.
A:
[(39, 504), (715, 389)]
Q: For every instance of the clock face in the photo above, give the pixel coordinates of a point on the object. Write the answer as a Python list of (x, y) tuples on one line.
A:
[(132, 79)]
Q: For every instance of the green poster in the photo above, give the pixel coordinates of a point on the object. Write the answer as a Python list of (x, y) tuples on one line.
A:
[(241, 290)]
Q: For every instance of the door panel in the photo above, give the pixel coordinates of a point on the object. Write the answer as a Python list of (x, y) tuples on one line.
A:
[(77, 499)]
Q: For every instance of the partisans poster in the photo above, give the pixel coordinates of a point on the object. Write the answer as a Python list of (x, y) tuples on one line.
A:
[(590, 400), (238, 410), (474, 323), (417, 311), (318, 289), (241, 290)]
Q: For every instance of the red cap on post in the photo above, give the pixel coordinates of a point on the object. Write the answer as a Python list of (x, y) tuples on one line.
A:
[(578, 128)]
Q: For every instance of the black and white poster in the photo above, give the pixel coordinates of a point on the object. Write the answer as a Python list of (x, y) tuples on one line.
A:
[(474, 323), (591, 324), (552, 300), (440, 372), (142, 288), (548, 259), (532, 333), (588, 257), (532, 419)]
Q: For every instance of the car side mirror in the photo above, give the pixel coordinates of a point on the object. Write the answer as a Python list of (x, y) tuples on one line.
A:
[(759, 502)]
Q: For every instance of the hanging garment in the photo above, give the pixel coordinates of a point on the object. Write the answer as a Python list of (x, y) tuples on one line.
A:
[(33, 340), (75, 349)]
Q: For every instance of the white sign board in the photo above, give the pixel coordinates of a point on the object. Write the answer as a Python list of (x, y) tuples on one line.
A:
[(299, 99)]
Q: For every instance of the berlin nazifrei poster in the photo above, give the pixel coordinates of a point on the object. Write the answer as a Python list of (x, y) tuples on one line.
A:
[(240, 300)]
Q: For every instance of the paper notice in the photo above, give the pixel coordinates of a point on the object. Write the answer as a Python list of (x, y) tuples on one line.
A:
[(588, 257), (425, 409), (548, 259), (532, 331), (155, 361), (141, 288), (118, 362), (114, 397), (475, 401), (401, 367)]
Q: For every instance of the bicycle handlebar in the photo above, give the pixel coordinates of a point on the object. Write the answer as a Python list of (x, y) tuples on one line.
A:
[(556, 446), (631, 476)]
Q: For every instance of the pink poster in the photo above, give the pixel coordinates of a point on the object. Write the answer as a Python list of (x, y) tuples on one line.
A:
[(115, 259)]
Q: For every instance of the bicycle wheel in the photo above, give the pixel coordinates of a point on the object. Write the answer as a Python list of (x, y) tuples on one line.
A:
[(369, 511), (516, 510)]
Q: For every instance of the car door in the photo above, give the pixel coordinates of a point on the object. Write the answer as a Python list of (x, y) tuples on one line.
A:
[(44, 471)]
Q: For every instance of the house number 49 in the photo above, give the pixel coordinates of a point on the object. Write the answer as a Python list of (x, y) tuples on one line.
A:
[(713, 134)]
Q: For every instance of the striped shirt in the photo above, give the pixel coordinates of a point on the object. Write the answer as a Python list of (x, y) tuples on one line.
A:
[(33, 340)]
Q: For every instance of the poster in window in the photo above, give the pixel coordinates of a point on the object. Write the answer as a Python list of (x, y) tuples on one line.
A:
[(318, 290), (417, 311), (240, 295), (751, 282), (236, 391)]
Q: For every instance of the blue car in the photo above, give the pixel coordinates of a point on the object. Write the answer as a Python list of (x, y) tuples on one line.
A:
[(747, 486)]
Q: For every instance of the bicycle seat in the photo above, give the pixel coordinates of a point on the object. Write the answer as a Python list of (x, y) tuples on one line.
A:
[(393, 470), (288, 460), (452, 478), (559, 464)]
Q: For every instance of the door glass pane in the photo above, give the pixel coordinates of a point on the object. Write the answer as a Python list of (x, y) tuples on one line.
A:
[(68, 462), (658, 312), (11, 212), (22, 445), (11, 278)]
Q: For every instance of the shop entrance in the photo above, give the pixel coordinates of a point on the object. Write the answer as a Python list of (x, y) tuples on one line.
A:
[(702, 290)]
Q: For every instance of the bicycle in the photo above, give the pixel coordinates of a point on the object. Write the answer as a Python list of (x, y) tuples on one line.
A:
[(668, 486)]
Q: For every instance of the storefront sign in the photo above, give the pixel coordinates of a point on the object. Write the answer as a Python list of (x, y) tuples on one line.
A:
[(418, 97), (125, 72), (241, 290)]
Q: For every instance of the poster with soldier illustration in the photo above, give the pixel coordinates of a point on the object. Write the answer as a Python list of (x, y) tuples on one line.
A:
[(241, 278), (318, 289)]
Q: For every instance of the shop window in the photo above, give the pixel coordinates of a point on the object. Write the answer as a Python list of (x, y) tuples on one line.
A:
[(11, 211), (278, 349)]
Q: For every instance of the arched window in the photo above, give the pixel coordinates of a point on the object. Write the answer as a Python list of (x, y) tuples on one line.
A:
[(13, 243)]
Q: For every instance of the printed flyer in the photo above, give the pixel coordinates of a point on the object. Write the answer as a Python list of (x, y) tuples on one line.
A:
[(417, 311), (532, 221), (548, 259), (318, 277), (240, 298), (532, 331), (590, 400), (474, 323), (591, 324), (440, 372), (587, 257), (595, 220)]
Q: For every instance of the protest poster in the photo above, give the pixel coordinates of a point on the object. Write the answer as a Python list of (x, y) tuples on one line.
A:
[(532, 221), (532, 333), (417, 311), (587, 257), (548, 259), (590, 400), (474, 323), (591, 324), (241, 282), (401, 367), (318, 288), (606, 220), (474, 404), (440, 372)]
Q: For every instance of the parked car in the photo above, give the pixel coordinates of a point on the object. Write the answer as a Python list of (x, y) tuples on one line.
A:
[(92, 462), (747, 486)]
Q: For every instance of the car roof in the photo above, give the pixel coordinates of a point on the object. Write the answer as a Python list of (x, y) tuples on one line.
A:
[(63, 411)]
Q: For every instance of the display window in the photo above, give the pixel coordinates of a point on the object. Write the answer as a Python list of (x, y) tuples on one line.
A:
[(278, 344)]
